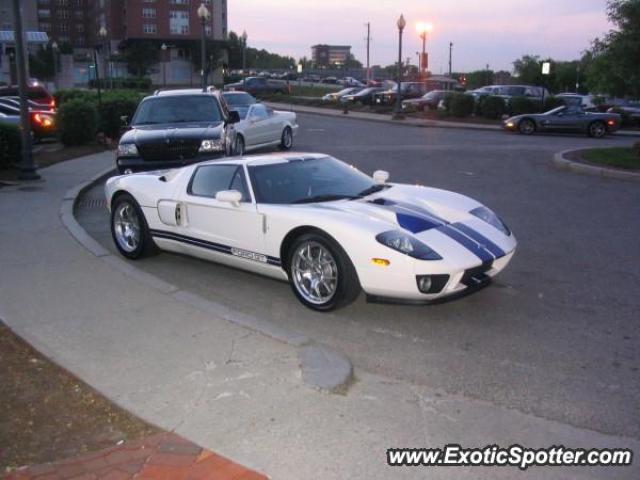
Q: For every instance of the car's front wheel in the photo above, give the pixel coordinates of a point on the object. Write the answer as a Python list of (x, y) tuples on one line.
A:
[(526, 126), (238, 148), (129, 228), (597, 130), (286, 141), (321, 274)]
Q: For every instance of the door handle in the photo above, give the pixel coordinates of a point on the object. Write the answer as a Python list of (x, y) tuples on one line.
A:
[(178, 214)]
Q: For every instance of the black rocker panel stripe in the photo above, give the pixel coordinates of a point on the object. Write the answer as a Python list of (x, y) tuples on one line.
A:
[(217, 247)]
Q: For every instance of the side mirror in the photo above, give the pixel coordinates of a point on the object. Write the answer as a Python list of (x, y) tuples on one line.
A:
[(234, 116), (233, 197), (380, 177)]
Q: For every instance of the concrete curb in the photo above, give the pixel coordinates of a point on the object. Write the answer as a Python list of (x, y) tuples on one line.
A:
[(322, 368), (565, 164)]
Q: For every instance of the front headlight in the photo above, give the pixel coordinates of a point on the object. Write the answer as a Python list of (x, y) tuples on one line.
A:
[(404, 243), (487, 215), (212, 146), (127, 150)]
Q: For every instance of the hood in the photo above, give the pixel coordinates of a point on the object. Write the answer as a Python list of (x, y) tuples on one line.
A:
[(170, 132), (412, 208)]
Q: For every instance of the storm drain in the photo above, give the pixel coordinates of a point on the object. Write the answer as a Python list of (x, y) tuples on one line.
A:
[(92, 203)]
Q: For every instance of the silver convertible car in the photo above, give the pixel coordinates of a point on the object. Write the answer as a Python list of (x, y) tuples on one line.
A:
[(565, 119)]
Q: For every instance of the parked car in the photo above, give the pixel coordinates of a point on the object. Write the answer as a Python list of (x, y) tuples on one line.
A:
[(329, 80), (335, 96), (261, 126), (407, 90), (630, 110), (586, 102), (311, 78), (239, 101), (36, 93), (565, 119), (364, 96), (43, 122), (257, 85), (324, 226), (176, 127), (350, 82), (429, 100)]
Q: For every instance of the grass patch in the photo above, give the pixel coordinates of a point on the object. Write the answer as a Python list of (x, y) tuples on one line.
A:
[(619, 157), (311, 91)]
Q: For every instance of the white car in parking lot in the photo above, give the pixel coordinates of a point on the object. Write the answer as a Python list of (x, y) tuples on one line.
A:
[(260, 126), (324, 226)]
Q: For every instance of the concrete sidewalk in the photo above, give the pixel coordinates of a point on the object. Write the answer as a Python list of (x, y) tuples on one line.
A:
[(411, 121), (225, 387)]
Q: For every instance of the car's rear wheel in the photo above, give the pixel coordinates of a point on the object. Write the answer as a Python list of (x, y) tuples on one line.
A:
[(129, 228), (321, 274), (597, 130), (286, 141), (238, 148), (526, 126)]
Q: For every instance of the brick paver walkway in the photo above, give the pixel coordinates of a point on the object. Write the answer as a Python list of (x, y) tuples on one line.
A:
[(164, 456)]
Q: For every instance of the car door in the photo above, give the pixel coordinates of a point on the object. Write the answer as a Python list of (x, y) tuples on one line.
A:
[(274, 126), (215, 225), (257, 120), (564, 120)]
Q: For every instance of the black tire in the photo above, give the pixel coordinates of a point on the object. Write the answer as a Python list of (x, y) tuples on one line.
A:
[(238, 148), (347, 286), (145, 246), (526, 126), (597, 129), (286, 140)]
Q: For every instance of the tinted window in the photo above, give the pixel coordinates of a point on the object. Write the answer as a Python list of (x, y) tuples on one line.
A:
[(239, 99), (298, 180), (208, 180), (259, 112), (178, 109)]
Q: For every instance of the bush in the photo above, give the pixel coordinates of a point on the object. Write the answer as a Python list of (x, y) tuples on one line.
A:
[(77, 122), (553, 102), (116, 104), (62, 96), (522, 105), (635, 148), (459, 104), (10, 145), (492, 107), (134, 83)]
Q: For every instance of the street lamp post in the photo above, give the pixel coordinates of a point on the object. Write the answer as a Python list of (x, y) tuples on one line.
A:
[(164, 47), (244, 56), (397, 114), (54, 51), (102, 34), (203, 14), (423, 29)]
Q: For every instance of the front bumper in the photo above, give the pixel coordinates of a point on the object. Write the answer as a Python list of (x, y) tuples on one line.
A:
[(138, 164)]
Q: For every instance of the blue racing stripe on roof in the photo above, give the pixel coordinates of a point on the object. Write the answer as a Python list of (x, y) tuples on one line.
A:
[(478, 237), (480, 252)]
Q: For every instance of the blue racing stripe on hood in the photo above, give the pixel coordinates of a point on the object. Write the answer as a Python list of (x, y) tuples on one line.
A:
[(411, 217), (480, 252), (478, 237)]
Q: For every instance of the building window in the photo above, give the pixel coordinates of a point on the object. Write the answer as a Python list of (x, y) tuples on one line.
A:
[(80, 28), (149, 28), (44, 13), (148, 1), (181, 2), (80, 41), (148, 13), (179, 22), (79, 14), (63, 3), (44, 27), (63, 13), (63, 27)]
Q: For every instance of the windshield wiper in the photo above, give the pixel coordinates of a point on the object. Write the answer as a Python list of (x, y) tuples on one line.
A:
[(372, 189), (144, 123), (324, 198)]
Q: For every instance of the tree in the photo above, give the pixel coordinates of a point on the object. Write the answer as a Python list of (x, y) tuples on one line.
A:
[(140, 57), (352, 62), (613, 59), (41, 64), (255, 58)]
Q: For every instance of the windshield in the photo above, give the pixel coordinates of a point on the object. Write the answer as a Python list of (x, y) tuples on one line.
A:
[(556, 110), (239, 99), (177, 109), (308, 181)]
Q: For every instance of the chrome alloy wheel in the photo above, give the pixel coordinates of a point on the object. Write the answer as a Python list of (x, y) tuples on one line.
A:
[(315, 273), (287, 138), (127, 227), (597, 130)]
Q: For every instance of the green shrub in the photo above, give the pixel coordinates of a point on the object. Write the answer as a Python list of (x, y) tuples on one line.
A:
[(77, 122), (115, 104), (62, 96), (521, 105), (492, 107), (553, 102), (10, 145), (459, 104), (636, 148)]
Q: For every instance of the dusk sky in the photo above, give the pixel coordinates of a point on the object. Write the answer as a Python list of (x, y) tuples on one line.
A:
[(493, 32)]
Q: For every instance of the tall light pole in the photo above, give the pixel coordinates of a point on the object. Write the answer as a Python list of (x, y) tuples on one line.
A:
[(368, 42), (27, 166), (102, 33), (244, 56), (203, 14), (54, 51), (397, 114), (423, 29), (450, 52), (164, 47)]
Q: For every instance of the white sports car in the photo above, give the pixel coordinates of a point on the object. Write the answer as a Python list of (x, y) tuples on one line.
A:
[(324, 226), (260, 126)]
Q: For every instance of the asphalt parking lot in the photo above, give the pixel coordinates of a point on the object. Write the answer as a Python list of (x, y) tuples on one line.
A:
[(556, 335)]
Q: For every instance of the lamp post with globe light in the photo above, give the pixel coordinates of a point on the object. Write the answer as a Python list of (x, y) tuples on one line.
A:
[(54, 51), (203, 15), (164, 47), (244, 56), (423, 29), (397, 114)]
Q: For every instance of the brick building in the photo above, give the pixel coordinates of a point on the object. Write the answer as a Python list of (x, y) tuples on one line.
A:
[(330, 55)]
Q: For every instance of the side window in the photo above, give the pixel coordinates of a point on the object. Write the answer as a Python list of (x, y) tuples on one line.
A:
[(259, 112), (208, 180)]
